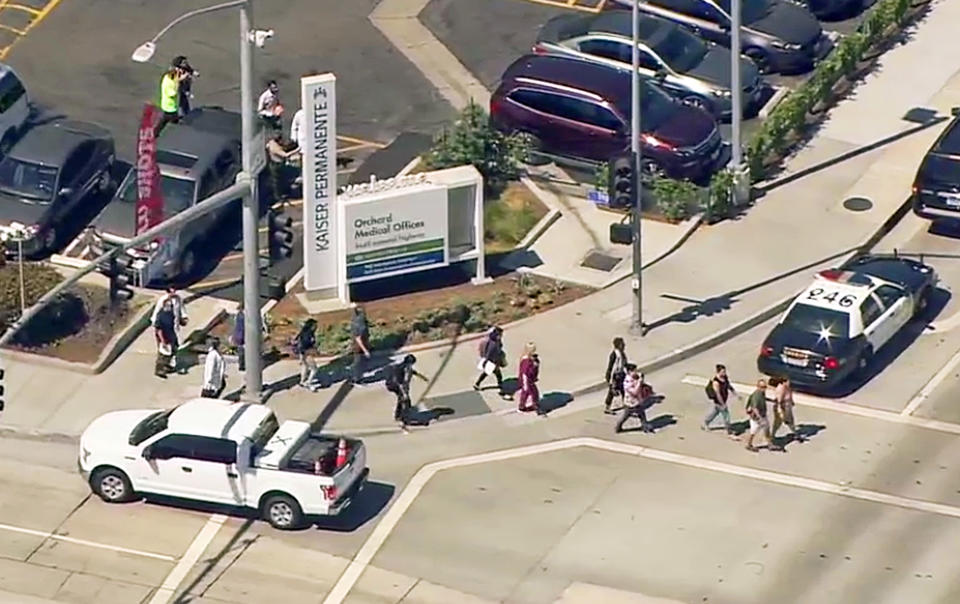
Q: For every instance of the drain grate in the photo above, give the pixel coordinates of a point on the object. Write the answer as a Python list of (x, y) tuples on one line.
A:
[(600, 261)]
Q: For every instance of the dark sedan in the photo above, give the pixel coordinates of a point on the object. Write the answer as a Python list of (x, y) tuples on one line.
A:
[(695, 71), (778, 35), (52, 183)]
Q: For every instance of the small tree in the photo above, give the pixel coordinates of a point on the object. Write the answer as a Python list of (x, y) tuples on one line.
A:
[(473, 140)]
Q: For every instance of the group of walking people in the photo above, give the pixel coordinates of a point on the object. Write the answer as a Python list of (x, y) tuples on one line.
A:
[(718, 391)]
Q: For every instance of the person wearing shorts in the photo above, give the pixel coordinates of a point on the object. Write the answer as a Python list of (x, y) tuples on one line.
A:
[(757, 412)]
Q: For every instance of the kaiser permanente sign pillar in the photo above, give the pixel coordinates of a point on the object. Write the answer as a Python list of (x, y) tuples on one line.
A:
[(321, 229)]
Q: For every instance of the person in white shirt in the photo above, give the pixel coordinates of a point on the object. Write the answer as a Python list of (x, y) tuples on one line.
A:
[(297, 134), (179, 311), (268, 106), (214, 369)]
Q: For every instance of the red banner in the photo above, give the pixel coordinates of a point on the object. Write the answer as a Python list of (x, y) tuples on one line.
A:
[(149, 194)]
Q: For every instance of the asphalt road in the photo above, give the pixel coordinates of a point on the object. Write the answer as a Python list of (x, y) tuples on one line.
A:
[(76, 62)]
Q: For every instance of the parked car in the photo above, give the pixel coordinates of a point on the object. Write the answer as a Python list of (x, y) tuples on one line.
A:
[(580, 110), (834, 327), (687, 67), (216, 451), (936, 188), (49, 180), (197, 157), (779, 35), (14, 108)]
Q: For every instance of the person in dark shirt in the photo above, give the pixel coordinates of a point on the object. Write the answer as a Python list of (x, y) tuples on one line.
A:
[(359, 344), (492, 358), (615, 373), (164, 324), (398, 378)]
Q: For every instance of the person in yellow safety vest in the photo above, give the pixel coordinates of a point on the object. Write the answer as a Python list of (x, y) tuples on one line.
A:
[(170, 96)]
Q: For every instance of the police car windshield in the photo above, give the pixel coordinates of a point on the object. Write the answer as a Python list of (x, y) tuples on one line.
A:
[(828, 325), (177, 193), (28, 180)]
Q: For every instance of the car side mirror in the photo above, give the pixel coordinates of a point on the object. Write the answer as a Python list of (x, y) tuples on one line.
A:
[(661, 74), (148, 452), (725, 26), (65, 192)]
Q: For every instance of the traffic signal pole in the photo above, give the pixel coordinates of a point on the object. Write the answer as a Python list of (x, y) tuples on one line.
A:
[(636, 324)]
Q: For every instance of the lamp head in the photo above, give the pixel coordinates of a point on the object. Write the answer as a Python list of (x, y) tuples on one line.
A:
[(144, 52)]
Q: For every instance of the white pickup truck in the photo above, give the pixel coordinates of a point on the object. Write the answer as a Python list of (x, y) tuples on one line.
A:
[(235, 454)]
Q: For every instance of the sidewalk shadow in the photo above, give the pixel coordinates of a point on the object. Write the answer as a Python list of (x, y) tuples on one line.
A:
[(552, 401), (371, 501), (739, 428), (723, 302), (423, 417), (658, 422), (805, 431), (332, 405)]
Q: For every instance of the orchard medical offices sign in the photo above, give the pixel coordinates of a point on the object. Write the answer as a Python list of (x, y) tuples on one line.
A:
[(320, 212), (395, 230)]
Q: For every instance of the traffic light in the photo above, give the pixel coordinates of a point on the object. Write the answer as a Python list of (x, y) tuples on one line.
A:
[(118, 271), (2, 373), (622, 181), (279, 235)]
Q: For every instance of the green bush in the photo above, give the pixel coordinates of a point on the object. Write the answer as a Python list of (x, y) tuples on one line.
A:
[(720, 196), (601, 177), (473, 140), (790, 115), (38, 279), (675, 197)]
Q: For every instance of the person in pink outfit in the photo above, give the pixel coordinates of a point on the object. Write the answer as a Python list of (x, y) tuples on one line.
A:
[(528, 375)]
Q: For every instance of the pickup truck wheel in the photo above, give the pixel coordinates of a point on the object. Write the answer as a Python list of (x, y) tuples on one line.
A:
[(282, 512), (112, 485)]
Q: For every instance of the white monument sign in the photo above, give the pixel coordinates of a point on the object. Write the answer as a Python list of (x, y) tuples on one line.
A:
[(320, 220)]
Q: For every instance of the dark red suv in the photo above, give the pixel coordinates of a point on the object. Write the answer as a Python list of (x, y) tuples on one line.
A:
[(581, 110)]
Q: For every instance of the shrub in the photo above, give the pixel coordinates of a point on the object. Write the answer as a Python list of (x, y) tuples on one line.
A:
[(675, 197), (473, 140), (720, 196), (38, 279), (601, 177)]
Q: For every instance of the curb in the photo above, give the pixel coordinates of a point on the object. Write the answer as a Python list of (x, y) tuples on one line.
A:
[(117, 344), (752, 321)]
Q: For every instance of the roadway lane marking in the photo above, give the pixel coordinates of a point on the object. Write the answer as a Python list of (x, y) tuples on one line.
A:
[(38, 15), (84, 542), (169, 586), (807, 400), (378, 537), (932, 385)]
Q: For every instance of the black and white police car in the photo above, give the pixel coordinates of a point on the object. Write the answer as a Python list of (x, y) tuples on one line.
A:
[(835, 326)]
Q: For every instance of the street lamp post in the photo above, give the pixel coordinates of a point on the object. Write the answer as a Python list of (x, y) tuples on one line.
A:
[(736, 109), (636, 324), (251, 249)]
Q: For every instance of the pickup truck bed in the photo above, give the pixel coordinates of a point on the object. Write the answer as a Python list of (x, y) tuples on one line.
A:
[(317, 447)]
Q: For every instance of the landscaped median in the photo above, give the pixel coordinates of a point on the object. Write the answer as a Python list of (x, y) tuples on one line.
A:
[(788, 123), (81, 329)]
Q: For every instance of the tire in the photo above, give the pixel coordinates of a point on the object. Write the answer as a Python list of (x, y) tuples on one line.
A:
[(650, 170), (863, 362), (923, 302), (6, 143), (760, 58), (50, 238), (187, 265), (111, 485), (282, 512), (535, 157), (695, 100)]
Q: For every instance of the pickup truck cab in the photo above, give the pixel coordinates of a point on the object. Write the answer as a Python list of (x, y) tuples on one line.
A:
[(215, 451)]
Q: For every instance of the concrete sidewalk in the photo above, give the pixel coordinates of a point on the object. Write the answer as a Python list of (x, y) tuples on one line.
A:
[(724, 275)]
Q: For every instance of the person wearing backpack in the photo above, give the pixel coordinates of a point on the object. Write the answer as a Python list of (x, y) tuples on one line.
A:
[(397, 381), (303, 345), (718, 391), (638, 397), (492, 358), (615, 373)]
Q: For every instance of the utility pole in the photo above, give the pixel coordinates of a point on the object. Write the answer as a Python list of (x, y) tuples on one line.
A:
[(735, 88), (253, 376), (636, 324)]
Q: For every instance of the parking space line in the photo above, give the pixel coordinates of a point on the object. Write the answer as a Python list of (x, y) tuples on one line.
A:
[(402, 503), (84, 542), (935, 381), (179, 572), (808, 400), (38, 16), (360, 142)]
